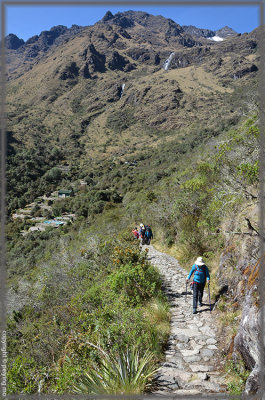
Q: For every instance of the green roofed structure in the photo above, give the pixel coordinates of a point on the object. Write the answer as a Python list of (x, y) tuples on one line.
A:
[(65, 193)]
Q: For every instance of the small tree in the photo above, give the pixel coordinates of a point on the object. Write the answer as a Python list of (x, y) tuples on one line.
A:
[(54, 175)]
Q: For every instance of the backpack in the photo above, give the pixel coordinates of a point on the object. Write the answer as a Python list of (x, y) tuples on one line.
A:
[(148, 232), (201, 269)]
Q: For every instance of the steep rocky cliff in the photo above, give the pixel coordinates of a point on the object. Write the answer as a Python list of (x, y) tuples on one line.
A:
[(238, 278)]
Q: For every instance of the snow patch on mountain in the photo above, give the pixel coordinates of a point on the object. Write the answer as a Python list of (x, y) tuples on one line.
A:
[(216, 38)]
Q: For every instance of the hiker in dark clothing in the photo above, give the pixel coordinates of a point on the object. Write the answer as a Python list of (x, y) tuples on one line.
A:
[(201, 273), (148, 234)]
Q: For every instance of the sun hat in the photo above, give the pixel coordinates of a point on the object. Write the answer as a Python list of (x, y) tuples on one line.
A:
[(199, 261)]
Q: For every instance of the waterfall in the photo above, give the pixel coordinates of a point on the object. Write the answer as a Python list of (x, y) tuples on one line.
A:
[(168, 62), (122, 89)]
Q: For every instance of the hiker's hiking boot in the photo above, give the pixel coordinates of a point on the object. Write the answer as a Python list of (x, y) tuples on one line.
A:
[(194, 311)]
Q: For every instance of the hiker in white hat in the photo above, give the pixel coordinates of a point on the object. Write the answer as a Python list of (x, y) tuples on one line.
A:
[(201, 273)]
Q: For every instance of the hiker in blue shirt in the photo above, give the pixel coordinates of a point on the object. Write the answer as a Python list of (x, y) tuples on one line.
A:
[(201, 273)]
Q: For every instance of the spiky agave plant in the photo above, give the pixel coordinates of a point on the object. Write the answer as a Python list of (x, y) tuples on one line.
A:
[(118, 373)]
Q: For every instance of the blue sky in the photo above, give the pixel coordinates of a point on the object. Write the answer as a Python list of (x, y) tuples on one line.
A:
[(26, 21)]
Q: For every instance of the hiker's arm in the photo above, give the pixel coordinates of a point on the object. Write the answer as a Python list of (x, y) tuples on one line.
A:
[(191, 272)]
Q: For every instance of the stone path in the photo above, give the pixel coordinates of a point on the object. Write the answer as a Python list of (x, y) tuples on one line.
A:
[(192, 363)]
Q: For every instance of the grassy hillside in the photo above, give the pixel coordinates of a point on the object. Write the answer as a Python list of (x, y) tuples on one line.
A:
[(96, 95)]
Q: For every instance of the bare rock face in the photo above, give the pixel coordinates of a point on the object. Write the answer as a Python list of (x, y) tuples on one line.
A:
[(194, 56), (246, 343), (118, 19), (70, 72), (197, 32), (252, 382), (117, 61), (95, 59), (146, 56), (108, 16), (85, 71), (12, 42), (173, 29), (238, 272), (225, 32), (246, 340), (47, 38)]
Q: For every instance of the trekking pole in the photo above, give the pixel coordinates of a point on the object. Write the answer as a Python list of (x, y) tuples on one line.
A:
[(186, 290), (209, 297)]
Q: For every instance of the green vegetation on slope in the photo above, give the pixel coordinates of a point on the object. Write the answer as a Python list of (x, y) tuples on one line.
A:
[(92, 285), (84, 288)]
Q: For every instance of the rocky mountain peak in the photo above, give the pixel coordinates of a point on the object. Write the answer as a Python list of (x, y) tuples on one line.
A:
[(119, 19), (12, 42), (107, 16), (129, 18), (197, 32), (225, 32), (37, 44), (48, 37)]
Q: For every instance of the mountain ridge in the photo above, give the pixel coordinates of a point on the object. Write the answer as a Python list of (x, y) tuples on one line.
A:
[(123, 19)]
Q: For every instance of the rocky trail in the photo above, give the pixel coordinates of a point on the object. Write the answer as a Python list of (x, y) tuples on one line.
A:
[(192, 363)]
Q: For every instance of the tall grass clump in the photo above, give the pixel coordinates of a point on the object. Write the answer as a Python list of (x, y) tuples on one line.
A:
[(122, 372), (157, 316)]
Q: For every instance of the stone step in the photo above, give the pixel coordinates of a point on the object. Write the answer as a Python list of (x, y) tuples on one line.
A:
[(201, 368), (187, 392), (206, 386)]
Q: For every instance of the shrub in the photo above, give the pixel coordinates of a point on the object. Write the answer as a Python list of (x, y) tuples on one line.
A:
[(237, 377), (138, 282), (54, 175), (20, 375)]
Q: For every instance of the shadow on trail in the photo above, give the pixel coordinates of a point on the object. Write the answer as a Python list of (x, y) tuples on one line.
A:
[(209, 307), (173, 295), (185, 293)]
